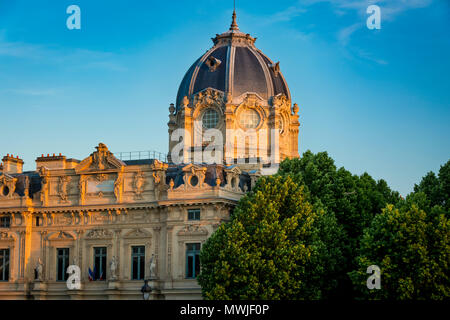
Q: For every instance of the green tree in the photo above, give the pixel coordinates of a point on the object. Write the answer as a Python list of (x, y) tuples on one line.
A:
[(354, 200), (411, 247), (276, 246), (436, 188)]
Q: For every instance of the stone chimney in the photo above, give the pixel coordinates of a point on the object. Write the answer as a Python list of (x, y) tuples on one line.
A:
[(55, 162), (12, 164), (51, 161)]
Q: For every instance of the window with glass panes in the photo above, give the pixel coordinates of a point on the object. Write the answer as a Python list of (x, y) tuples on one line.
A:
[(192, 260), (100, 263), (4, 264), (210, 119), (5, 222), (194, 214), (249, 119), (138, 262), (62, 264)]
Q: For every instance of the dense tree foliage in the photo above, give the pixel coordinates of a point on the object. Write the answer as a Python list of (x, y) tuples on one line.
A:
[(276, 246), (412, 249), (311, 231), (354, 200), (436, 188), (410, 242)]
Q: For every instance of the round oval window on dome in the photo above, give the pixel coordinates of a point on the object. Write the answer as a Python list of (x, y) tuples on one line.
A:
[(210, 119), (249, 119)]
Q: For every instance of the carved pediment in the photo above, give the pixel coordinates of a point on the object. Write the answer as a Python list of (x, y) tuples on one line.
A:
[(233, 170), (193, 230), (193, 168), (100, 160), (6, 178), (252, 100), (61, 235), (99, 234), (208, 97), (138, 233), (194, 177)]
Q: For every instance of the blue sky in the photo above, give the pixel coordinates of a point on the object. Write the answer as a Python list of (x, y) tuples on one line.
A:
[(376, 100)]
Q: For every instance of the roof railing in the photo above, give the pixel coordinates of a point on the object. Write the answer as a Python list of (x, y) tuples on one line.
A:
[(141, 155)]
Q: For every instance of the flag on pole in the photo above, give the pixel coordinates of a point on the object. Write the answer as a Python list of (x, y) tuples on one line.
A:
[(91, 275)]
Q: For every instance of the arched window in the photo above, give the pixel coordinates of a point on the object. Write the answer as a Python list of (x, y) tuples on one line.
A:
[(249, 119)]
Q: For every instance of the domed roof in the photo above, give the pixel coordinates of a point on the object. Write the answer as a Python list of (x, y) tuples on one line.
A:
[(234, 66)]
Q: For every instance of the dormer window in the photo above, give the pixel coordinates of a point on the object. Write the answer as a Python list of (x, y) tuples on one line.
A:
[(212, 63)]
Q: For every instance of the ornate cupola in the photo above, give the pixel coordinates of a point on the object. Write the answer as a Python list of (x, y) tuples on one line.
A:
[(237, 90)]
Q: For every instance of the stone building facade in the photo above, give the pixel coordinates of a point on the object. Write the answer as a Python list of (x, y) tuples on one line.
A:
[(123, 222)]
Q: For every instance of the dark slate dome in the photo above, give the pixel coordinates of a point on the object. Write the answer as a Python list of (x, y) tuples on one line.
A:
[(234, 66)]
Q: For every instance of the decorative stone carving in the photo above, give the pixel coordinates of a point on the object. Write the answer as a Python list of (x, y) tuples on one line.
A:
[(139, 183), (275, 67), (61, 235), (193, 230), (100, 160), (232, 174), (27, 187), (43, 172), (99, 234), (138, 233), (113, 268), (118, 187), (160, 185), (5, 236), (185, 101), (194, 176), (7, 185), (82, 189), (62, 188), (153, 267), (213, 63), (39, 270), (159, 175), (281, 101), (251, 100), (207, 98), (101, 177)]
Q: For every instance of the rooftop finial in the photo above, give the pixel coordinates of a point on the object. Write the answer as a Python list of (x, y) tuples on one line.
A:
[(234, 25)]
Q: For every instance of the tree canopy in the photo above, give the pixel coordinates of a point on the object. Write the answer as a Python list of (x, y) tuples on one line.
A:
[(412, 249), (276, 246), (311, 231), (353, 199)]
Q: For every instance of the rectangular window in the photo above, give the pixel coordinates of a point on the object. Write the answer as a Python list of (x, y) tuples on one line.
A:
[(100, 263), (38, 221), (62, 264), (4, 264), (194, 214), (192, 260), (5, 222), (138, 263)]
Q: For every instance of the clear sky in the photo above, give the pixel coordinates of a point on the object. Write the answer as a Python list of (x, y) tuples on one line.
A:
[(376, 100)]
